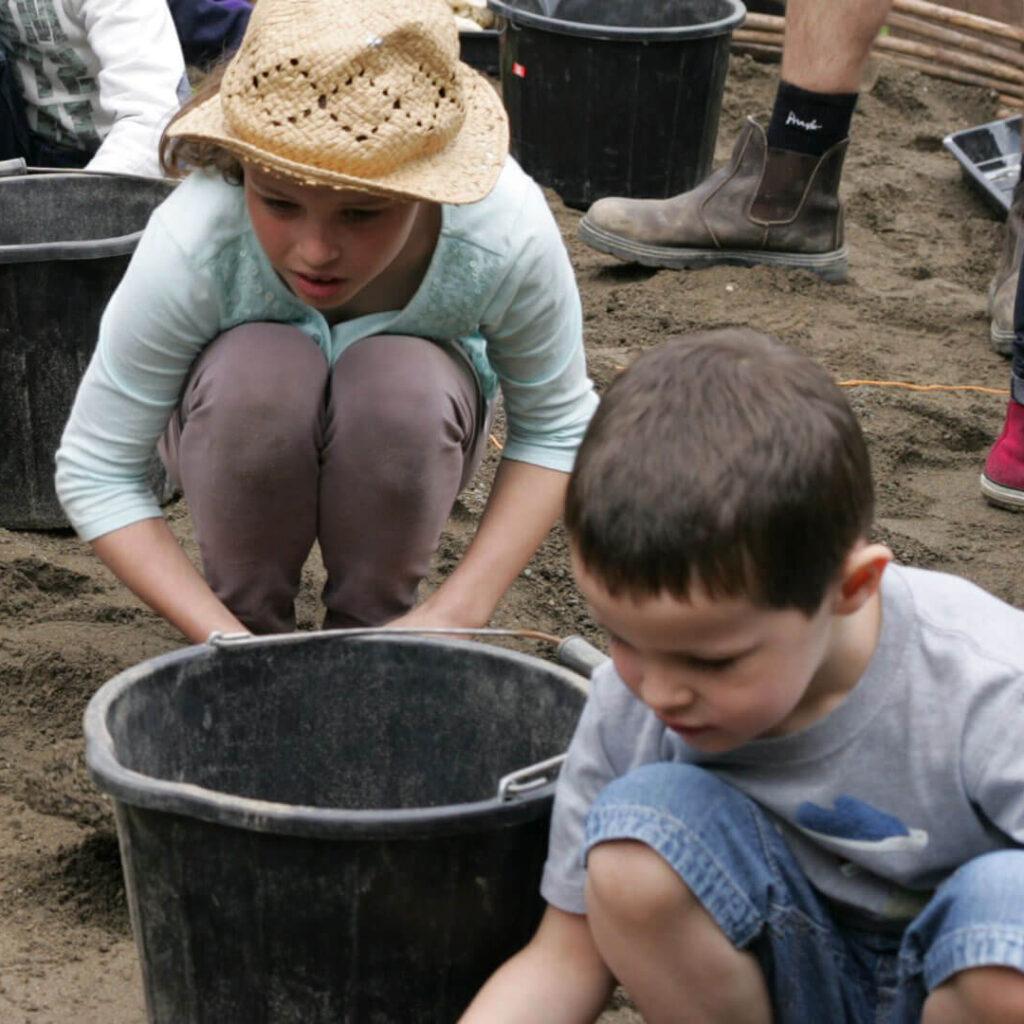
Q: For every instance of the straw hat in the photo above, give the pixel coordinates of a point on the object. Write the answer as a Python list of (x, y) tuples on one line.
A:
[(364, 94)]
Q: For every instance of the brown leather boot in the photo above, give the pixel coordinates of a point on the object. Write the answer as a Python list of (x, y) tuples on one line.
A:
[(1002, 291), (764, 206)]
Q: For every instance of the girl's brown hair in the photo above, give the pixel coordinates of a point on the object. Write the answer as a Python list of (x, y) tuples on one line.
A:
[(179, 156)]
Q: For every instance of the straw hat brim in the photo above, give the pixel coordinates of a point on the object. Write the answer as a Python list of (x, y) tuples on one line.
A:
[(464, 171)]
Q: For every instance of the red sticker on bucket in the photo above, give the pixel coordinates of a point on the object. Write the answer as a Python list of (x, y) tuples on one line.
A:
[(518, 69)]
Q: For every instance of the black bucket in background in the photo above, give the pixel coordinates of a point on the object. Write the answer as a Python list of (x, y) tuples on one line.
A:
[(311, 828), (65, 240), (615, 98)]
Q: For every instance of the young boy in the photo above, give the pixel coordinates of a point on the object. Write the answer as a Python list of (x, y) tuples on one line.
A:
[(797, 790)]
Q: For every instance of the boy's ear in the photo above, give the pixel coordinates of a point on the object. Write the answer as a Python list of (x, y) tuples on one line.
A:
[(861, 577)]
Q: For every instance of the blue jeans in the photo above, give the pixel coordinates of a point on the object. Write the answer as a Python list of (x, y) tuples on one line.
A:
[(729, 854)]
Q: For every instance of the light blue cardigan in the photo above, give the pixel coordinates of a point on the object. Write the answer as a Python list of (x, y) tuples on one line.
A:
[(499, 284)]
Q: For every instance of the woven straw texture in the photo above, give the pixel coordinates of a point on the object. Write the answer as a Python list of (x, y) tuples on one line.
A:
[(362, 94)]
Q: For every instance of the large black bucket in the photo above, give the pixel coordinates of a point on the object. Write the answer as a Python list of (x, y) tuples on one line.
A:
[(615, 98), (65, 240), (326, 827)]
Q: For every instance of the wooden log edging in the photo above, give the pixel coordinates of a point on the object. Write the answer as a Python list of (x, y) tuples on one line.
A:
[(973, 61)]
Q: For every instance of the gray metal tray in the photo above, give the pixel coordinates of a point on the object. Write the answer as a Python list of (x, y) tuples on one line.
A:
[(989, 155)]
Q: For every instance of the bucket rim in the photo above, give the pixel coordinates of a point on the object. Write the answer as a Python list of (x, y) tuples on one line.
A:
[(670, 33), (63, 252), (67, 250), (147, 792)]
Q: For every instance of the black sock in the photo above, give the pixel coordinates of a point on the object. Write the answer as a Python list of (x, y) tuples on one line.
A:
[(809, 122)]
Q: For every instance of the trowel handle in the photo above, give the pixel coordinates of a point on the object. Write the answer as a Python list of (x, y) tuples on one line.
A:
[(580, 655)]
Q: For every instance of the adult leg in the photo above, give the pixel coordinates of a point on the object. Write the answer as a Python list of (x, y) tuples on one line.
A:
[(244, 445), (777, 200), (699, 908), (404, 433), (1002, 481), (966, 949), (1002, 289), (827, 43)]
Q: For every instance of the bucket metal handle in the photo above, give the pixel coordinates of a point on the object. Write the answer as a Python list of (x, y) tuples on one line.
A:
[(15, 166), (532, 777), (219, 639), (572, 651)]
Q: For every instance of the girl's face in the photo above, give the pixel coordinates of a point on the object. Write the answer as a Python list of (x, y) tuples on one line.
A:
[(327, 244)]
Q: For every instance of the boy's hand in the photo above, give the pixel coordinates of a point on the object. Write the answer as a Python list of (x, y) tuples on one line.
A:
[(558, 978)]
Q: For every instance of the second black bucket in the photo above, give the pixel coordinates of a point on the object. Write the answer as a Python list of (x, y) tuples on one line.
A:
[(615, 98), (328, 829), (65, 240)]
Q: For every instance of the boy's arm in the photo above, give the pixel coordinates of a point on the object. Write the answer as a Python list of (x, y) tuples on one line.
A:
[(558, 978)]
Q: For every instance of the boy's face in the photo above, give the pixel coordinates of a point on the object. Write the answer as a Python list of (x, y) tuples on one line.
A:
[(719, 672), (326, 244)]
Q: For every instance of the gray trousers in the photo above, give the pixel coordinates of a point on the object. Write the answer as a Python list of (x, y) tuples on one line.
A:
[(274, 450)]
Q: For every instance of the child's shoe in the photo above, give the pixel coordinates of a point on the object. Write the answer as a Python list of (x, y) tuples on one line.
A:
[(1002, 482)]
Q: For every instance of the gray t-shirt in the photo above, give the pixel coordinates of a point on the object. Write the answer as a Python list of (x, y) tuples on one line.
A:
[(920, 769)]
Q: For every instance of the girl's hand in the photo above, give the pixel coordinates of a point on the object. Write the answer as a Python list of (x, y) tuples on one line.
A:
[(147, 558), (524, 503)]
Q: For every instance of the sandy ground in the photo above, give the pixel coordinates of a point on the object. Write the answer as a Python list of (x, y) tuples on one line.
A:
[(922, 248)]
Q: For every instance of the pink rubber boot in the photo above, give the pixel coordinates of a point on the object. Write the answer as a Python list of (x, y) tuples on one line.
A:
[(1002, 482)]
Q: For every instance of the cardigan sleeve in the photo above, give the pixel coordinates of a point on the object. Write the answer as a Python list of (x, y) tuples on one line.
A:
[(157, 321), (534, 329)]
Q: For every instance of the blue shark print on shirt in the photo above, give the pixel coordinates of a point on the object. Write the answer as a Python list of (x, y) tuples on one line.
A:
[(851, 824)]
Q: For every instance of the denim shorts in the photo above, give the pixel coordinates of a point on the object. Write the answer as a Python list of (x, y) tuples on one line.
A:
[(734, 860)]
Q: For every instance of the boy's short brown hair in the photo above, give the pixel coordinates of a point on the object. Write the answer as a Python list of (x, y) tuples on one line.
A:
[(726, 458)]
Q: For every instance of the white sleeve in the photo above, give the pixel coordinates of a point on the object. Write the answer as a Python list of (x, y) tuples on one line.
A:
[(159, 318), (140, 70), (534, 331)]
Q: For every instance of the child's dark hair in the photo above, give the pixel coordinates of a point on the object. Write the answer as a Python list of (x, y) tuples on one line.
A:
[(724, 458), (180, 156)]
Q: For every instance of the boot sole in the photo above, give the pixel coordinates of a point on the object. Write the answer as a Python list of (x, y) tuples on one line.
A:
[(1001, 340), (831, 266), (1005, 497)]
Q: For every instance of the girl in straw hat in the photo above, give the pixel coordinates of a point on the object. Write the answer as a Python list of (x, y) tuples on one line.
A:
[(315, 327)]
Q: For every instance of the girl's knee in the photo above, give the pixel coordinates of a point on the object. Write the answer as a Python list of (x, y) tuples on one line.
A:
[(263, 374), (408, 389)]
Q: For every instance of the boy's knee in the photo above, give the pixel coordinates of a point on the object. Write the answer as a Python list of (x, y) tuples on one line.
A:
[(1001, 870), (990, 887), (993, 995), (631, 883)]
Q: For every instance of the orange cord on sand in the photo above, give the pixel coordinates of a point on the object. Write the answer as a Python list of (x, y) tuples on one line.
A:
[(911, 387), (921, 387), (906, 385)]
